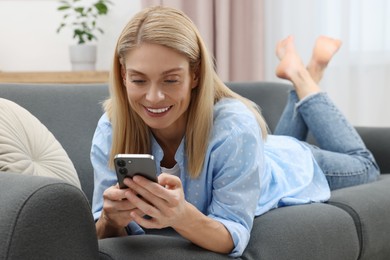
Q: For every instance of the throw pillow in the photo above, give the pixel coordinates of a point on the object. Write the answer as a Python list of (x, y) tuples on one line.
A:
[(28, 147)]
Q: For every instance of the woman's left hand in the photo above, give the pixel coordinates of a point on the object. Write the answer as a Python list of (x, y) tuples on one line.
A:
[(163, 202)]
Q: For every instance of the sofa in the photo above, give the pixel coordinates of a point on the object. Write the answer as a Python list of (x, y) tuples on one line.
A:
[(47, 218)]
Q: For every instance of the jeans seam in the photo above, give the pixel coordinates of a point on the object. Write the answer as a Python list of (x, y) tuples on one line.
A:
[(345, 174)]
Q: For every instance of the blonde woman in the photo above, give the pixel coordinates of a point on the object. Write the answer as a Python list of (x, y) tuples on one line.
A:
[(217, 169)]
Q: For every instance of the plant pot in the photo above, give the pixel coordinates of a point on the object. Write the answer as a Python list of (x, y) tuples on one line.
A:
[(82, 57)]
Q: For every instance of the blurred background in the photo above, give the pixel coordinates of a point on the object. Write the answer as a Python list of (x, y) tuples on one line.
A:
[(241, 35)]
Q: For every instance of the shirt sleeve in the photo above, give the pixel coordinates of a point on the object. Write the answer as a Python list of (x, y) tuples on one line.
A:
[(104, 176), (237, 163)]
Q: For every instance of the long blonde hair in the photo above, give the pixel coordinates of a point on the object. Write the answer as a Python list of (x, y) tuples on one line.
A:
[(173, 29)]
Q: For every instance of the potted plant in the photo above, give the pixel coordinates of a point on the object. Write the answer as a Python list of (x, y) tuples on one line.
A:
[(81, 17)]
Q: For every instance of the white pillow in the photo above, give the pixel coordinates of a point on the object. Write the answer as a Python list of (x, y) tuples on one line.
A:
[(28, 147)]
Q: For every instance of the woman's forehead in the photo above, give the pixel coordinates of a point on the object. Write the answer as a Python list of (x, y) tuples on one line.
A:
[(147, 56)]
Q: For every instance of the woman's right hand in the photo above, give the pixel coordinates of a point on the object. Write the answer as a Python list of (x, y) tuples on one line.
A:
[(115, 214)]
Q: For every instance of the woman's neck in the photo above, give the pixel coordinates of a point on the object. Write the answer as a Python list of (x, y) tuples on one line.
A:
[(169, 144), (169, 140)]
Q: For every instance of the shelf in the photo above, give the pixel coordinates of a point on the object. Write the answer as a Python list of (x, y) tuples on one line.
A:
[(70, 77)]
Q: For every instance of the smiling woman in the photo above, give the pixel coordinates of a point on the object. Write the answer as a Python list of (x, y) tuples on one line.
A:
[(162, 97), (217, 166)]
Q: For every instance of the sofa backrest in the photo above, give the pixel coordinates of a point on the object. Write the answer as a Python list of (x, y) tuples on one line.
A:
[(270, 96), (71, 113)]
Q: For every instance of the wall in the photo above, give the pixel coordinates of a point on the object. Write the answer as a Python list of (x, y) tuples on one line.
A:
[(29, 42)]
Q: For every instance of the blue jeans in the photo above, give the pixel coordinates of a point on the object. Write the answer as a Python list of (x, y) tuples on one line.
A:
[(341, 153)]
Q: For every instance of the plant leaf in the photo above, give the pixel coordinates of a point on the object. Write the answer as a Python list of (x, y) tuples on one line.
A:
[(82, 18), (64, 7), (101, 8), (79, 10)]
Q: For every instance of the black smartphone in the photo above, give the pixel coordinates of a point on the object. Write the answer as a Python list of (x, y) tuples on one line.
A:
[(129, 165)]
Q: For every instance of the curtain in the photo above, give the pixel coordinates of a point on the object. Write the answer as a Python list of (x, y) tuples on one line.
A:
[(358, 77), (233, 32)]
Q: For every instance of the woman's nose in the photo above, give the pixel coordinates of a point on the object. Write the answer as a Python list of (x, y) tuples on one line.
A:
[(154, 93)]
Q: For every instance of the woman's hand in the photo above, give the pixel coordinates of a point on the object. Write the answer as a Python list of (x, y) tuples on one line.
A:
[(116, 213), (163, 202)]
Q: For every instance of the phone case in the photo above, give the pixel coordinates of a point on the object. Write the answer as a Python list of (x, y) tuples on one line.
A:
[(129, 165)]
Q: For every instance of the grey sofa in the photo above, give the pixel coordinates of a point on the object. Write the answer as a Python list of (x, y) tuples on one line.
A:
[(44, 218)]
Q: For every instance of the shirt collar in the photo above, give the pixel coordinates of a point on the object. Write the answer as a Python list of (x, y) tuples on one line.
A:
[(158, 153)]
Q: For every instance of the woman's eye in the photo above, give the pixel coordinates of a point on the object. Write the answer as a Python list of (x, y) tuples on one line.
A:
[(138, 81), (170, 81)]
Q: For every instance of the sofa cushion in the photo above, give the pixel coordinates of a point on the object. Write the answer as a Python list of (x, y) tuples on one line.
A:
[(28, 147), (369, 206), (310, 231)]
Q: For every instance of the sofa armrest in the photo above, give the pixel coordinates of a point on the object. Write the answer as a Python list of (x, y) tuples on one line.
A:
[(44, 218), (377, 139)]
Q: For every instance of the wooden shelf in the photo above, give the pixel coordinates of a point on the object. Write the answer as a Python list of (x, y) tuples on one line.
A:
[(55, 77)]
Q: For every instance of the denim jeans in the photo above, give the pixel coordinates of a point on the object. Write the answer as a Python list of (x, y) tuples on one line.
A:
[(340, 152)]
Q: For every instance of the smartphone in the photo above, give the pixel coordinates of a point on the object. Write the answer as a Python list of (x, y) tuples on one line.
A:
[(129, 165)]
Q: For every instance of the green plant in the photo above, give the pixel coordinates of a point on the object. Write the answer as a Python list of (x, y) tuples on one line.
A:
[(82, 18)]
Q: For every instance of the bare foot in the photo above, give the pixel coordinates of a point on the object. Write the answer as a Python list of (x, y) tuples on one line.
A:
[(289, 59), (292, 68), (324, 49)]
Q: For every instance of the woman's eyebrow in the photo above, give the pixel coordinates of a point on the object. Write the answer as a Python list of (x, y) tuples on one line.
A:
[(172, 70), (133, 71)]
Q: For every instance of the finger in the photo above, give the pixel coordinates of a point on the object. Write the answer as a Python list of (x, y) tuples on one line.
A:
[(138, 212), (115, 199), (118, 205), (117, 218), (173, 192), (144, 205), (170, 191), (169, 181), (114, 193), (166, 182), (148, 190), (144, 222)]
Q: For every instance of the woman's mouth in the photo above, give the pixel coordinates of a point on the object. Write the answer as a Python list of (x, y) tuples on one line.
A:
[(158, 110)]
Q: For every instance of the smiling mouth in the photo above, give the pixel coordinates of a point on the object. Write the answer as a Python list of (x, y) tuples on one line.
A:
[(158, 110)]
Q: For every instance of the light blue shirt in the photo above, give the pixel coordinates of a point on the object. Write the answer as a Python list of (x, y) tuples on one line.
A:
[(242, 177)]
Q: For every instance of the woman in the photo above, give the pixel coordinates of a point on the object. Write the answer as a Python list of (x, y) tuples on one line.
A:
[(217, 167)]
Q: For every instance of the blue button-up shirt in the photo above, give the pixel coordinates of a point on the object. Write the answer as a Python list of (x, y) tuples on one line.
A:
[(242, 177)]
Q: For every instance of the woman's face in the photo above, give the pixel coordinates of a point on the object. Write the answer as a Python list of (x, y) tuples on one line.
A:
[(159, 83)]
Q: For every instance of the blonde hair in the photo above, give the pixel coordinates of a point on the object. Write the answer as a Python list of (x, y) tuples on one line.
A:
[(173, 29)]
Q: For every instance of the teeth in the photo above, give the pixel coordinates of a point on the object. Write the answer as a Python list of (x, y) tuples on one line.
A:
[(158, 110)]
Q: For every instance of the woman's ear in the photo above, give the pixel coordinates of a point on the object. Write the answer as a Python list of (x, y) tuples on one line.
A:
[(195, 80)]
